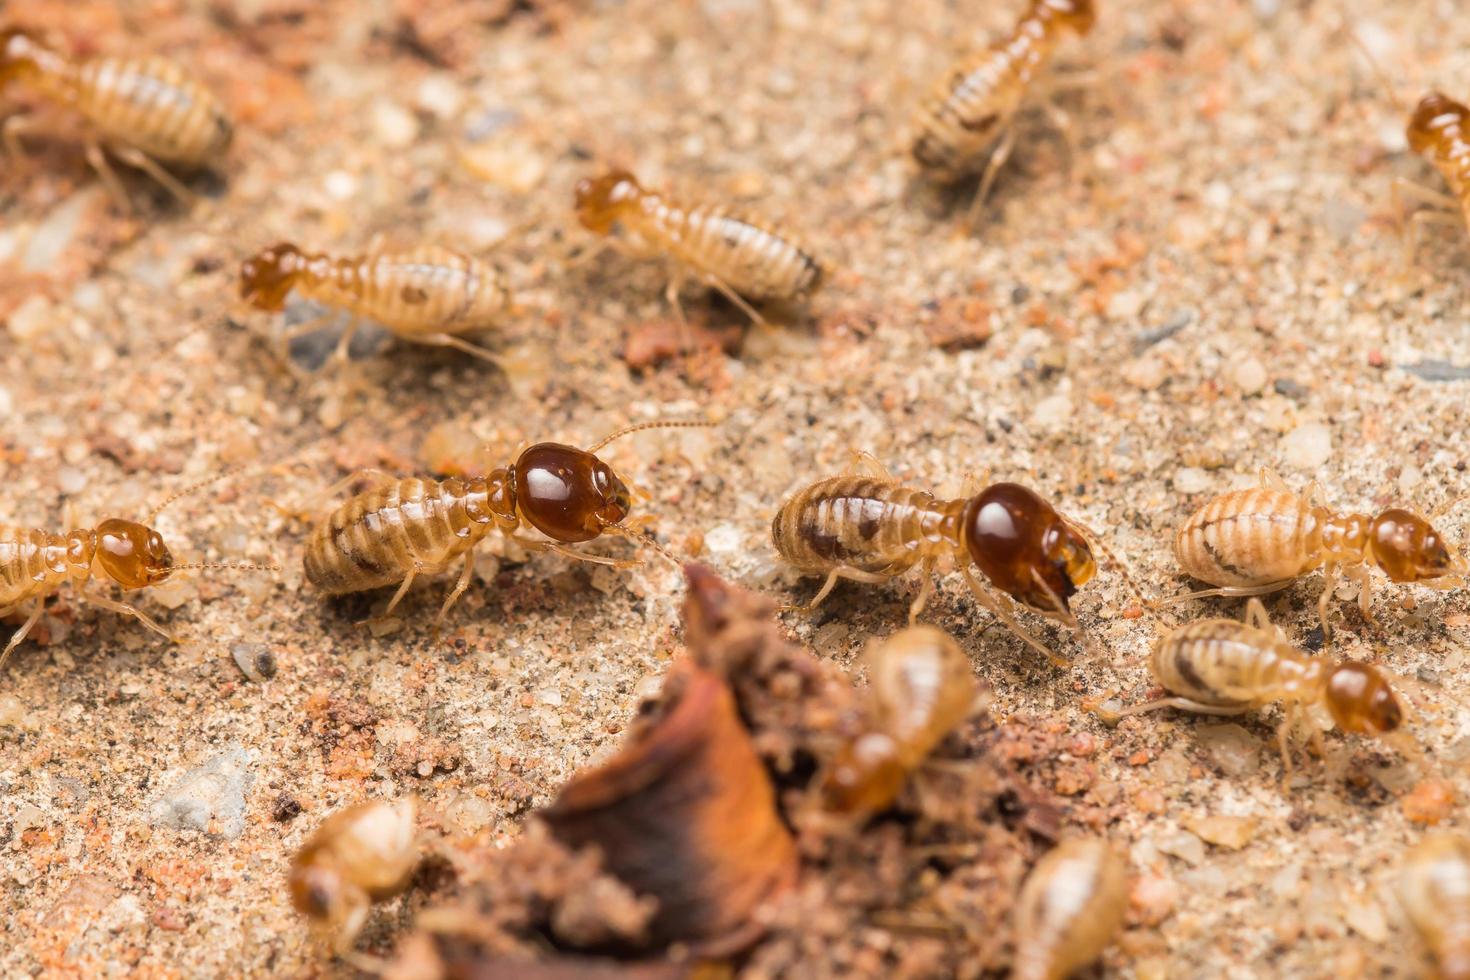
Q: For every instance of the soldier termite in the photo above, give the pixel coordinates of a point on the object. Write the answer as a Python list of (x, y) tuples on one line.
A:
[(1439, 130), (1254, 541), (1070, 908), (1222, 667), (743, 258), (141, 110), (920, 687), (1434, 890), (968, 122), (428, 295), (359, 855), (35, 564), (873, 528), (405, 528)]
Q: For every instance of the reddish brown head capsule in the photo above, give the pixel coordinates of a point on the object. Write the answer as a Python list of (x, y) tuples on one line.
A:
[(267, 277), (1408, 548), (602, 199), (567, 493), (132, 554), (1435, 114), (1361, 701), (1026, 548)]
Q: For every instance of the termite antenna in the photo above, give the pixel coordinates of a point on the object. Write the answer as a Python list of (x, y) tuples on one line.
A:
[(1448, 506), (647, 539), (234, 566), (1119, 566), (641, 426), (195, 488), (1374, 65)]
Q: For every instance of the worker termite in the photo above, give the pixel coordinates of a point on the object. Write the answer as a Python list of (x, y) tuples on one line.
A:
[(873, 528), (359, 855), (744, 258), (428, 295), (920, 687), (142, 110), (35, 564), (1070, 908), (1222, 667), (404, 528), (1439, 130), (968, 121), (1434, 890), (1258, 540)]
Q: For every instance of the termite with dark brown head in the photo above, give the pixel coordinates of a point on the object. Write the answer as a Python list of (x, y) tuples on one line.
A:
[(873, 528), (141, 110), (1070, 909), (745, 259), (35, 564), (1222, 667), (1434, 890), (968, 122), (404, 528), (1250, 542), (429, 295)]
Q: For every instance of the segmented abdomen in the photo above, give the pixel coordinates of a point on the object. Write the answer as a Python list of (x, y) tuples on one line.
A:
[(420, 291), (32, 562), (1434, 888), (1223, 662), (1250, 537), (752, 259), (152, 104), (874, 525), (378, 537)]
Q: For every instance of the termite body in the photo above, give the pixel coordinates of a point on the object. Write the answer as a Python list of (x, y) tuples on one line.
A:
[(1434, 890), (141, 110), (1258, 540), (427, 295), (742, 257), (1070, 909), (920, 687), (967, 123), (359, 855), (873, 528), (404, 528), (1439, 131)]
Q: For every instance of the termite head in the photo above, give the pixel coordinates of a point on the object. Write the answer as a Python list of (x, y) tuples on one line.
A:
[(1409, 549), (132, 555), (601, 200), (1361, 700), (865, 776), (1025, 547), (1434, 114), (358, 855), (1079, 15), (17, 54), (266, 277), (567, 493)]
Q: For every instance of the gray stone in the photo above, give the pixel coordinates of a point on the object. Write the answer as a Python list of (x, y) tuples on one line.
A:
[(210, 798)]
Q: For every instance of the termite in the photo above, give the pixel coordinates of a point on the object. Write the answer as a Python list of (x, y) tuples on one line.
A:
[(360, 855), (873, 528), (36, 563), (1439, 131), (141, 110), (1258, 540), (742, 257), (1070, 909), (404, 528), (427, 295), (1224, 667), (920, 687), (1434, 890), (968, 122)]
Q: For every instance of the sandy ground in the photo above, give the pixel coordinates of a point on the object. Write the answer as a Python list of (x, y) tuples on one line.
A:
[(1214, 283)]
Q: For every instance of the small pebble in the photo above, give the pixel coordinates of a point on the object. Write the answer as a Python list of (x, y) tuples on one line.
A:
[(31, 319), (724, 540), (255, 661), (1185, 846), (209, 798), (1145, 373), (1191, 479), (1052, 413), (70, 480), (1236, 751), (1249, 376), (396, 127), (440, 95), (1308, 446), (1224, 831)]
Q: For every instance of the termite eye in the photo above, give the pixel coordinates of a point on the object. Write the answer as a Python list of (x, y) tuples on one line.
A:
[(313, 892)]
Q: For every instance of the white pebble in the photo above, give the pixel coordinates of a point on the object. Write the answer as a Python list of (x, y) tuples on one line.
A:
[(340, 184), (31, 318), (549, 695), (1307, 446), (724, 539), (1409, 479), (1249, 376), (7, 401), (1191, 479), (396, 127), (70, 480), (440, 95), (1052, 413), (1145, 374)]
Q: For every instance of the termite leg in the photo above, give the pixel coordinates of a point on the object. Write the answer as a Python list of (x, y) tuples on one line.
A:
[(1256, 616), (125, 609), (993, 603), (99, 163), (1063, 123), (718, 284), (1364, 578), (460, 344), (1272, 481), (1329, 584), (284, 338), (1183, 704), (987, 179), (37, 606), (459, 589), (135, 157), (925, 591), (861, 462), (531, 544), (849, 573), (344, 343), (1227, 591), (11, 131)]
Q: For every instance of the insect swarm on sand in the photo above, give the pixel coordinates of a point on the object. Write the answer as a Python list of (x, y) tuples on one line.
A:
[(743, 258), (1259, 540), (920, 687), (142, 110), (359, 855), (1224, 667), (1071, 907), (404, 528), (427, 295), (968, 122), (1434, 890), (35, 564), (873, 528)]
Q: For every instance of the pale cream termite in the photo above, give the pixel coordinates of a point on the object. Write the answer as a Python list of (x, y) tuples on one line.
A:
[(359, 855), (967, 123), (427, 295), (141, 110), (1070, 909), (1254, 541), (742, 257), (1434, 890)]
